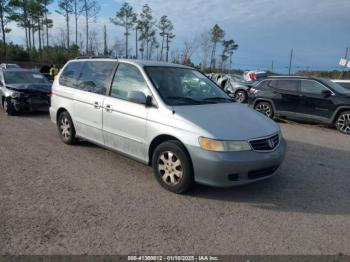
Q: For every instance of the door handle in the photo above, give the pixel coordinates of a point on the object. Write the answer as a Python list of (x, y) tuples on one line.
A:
[(97, 105), (109, 108)]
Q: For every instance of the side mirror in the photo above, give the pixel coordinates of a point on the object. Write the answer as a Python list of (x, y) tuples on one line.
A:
[(137, 97), (326, 93)]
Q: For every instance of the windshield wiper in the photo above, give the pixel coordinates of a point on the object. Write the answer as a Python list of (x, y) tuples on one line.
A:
[(218, 99), (185, 99)]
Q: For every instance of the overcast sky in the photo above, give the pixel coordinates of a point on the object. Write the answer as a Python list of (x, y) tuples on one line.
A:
[(266, 30)]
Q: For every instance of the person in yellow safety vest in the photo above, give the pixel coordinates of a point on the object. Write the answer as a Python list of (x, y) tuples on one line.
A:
[(53, 72)]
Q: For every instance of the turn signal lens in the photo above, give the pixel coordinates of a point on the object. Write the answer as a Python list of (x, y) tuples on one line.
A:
[(210, 144), (222, 146)]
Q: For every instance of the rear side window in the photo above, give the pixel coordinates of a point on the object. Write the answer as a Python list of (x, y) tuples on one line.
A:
[(96, 76), (263, 84), (287, 85), (312, 87), (70, 74), (128, 78)]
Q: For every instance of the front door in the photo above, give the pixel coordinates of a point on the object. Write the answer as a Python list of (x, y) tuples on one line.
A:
[(313, 104), (125, 122)]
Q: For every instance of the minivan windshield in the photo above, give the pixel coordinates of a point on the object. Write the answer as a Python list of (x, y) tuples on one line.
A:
[(24, 77), (182, 86)]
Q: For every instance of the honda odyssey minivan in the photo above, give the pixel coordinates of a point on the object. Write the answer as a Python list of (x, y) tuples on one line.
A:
[(168, 116)]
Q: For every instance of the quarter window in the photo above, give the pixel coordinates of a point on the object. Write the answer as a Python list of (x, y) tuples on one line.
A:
[(312, 87), (128, 78), (70, 74), (96, 76), (288, 85)]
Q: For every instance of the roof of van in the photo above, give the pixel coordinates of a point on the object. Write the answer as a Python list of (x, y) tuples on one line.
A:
[(137, 62)]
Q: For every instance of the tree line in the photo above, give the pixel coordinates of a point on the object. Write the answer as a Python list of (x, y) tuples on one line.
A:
[(152, 37)]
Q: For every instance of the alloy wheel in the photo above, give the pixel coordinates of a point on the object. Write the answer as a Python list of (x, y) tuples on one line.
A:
[(343, 123), (264, 109), (65, 128), (170, 168), (240, 96)]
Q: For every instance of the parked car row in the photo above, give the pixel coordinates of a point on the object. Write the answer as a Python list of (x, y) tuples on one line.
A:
[(233, 85), (171, 116)]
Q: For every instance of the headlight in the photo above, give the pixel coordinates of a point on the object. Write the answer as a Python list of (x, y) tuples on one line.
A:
[(15, 94), (221, 146)]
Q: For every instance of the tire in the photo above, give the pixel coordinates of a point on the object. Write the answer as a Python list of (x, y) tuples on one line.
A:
[(172, 167), (66, 129), (9, 107), (343, 123), (265, 108), (241, 96)]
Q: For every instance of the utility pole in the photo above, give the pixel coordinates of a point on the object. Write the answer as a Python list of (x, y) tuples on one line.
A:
[(346, 58), (136, 42), (272, 66), (105, 50), (290, 61)]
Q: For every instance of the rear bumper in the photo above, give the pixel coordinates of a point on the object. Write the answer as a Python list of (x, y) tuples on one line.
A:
[(226, 169)]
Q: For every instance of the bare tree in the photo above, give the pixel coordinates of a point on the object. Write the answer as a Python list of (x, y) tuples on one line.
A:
[(205, 46), (94, 43), (90, 9), (190, 47), (77, 6), (65, 9)]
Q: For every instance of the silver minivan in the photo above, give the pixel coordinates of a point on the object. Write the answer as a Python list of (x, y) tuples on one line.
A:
[(168, 116)]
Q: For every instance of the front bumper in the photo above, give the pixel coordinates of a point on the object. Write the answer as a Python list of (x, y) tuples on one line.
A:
[(31, 103), (226, 169)]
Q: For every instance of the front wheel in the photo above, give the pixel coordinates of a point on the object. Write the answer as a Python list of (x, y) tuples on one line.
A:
[(241, 96), (264, 108), (343, 123), (9, 107), (172, 167)]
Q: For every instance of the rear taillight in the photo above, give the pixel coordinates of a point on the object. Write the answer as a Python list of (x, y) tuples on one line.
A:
[(252, 91)]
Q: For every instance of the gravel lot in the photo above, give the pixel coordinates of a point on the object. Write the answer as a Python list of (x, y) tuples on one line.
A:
[(59, 199)]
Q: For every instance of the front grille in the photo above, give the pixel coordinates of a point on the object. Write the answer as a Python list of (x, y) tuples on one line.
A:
[(262, 172), (266, 144)]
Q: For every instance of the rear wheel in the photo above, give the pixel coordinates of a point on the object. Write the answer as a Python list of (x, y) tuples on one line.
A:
[(66, 128), (264, 108), (241, 96), (172, 167), (343, 122)]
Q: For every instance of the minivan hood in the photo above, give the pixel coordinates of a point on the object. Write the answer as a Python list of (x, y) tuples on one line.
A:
[(227, 121), (44, 88)]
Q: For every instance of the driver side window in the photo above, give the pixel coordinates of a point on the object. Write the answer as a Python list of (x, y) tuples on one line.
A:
[(128, 78)]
